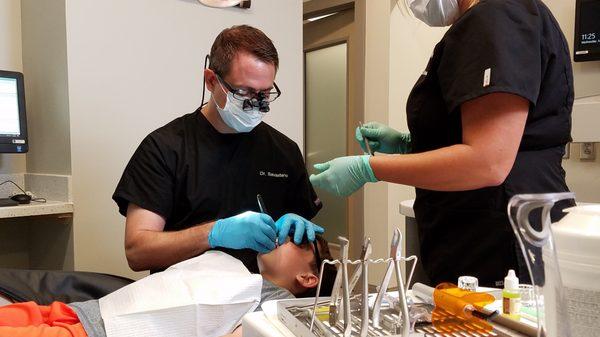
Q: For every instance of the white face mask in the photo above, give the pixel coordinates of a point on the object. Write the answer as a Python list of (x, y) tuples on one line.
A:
[(235, 117), (435, 13)]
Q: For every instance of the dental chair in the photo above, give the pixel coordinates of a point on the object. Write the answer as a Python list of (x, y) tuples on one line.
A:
[(47, 286)]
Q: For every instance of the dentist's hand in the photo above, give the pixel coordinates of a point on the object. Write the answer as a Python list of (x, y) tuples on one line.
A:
[(382, 138), (344, 175), (247, 230), (293, 223)]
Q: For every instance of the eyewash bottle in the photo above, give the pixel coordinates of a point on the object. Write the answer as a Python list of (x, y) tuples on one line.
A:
[(511, 297)]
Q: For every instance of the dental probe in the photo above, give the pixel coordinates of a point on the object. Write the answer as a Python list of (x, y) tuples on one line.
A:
[(263, 209), (360, 125), (261, 204)]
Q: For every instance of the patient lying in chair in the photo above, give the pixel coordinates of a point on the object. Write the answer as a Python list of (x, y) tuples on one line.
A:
[(288, 271)]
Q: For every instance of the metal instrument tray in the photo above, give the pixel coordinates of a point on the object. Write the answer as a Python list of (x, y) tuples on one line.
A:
[(296, 314)]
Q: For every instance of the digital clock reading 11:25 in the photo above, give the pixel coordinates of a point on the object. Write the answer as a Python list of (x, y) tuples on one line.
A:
[(588, 38)]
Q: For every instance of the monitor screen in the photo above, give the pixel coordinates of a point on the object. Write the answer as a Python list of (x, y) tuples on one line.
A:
[(587, 30), (13, 121)]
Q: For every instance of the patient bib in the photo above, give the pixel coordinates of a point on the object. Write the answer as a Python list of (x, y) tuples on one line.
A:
[(203, 296)]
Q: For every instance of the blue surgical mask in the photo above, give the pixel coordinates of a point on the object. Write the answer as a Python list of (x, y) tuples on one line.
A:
[(435, 13), (234, 115)]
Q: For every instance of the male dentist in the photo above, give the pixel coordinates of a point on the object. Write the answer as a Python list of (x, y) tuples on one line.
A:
[(192, 184)]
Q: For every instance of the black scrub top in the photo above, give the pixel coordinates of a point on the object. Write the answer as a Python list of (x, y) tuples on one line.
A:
[(189, 173), (509, 46)]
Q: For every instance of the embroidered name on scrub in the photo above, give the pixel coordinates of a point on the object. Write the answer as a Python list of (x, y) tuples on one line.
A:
[(273, 175)]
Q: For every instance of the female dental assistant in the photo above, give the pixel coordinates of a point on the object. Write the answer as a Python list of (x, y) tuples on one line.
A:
[(488, 119)]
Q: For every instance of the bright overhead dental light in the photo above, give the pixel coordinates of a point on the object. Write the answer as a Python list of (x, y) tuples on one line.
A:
[(226, 3)]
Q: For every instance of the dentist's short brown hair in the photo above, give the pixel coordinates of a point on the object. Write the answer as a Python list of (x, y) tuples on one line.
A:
[(241, 39)]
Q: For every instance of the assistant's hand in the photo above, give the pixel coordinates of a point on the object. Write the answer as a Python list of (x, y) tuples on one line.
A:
[(299, 226), (382, 138), (247, 230), (344, 175)]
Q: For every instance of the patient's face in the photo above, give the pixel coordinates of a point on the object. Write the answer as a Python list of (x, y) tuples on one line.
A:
[(288, 258)]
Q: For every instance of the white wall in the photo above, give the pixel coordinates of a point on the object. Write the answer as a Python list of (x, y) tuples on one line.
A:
[(377, 58), (135, 65), (11, 59), (45, 68)]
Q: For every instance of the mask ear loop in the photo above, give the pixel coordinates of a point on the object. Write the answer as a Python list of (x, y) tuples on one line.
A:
[(206, 58)]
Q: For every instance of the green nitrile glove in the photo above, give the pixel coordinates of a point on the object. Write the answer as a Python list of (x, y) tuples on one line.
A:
[(382, 138), (344, 175)]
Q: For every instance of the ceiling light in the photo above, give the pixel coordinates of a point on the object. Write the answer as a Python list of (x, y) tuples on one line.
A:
[(320, 17), (226, 3)]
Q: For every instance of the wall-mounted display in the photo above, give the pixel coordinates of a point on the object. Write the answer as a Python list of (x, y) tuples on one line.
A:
[(587, 30)]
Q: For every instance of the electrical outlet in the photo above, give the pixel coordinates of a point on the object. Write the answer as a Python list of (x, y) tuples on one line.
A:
[(587, 152)]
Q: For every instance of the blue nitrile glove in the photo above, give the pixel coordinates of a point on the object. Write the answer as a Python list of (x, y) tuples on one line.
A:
[(247, 230), (382, 138), (293, 223), (344, 175)]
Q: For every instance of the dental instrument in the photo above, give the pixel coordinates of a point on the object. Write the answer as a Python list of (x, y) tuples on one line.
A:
[(335, 293), (385, 281), (345, 293), (404, 320), (369, 150), (263, 209), (261, 204), (366, 253)]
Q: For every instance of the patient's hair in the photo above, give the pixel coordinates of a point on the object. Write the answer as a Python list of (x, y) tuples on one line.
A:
[(329, 271), (236, 39)]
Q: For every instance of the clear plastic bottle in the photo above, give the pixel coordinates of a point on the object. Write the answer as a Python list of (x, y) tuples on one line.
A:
[(511, 297)]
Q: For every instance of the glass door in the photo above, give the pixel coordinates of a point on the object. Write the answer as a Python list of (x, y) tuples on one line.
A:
[(326, 125)]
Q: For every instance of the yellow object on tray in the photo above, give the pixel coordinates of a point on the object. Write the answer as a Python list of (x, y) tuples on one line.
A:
[(455, 308), (460, 302)]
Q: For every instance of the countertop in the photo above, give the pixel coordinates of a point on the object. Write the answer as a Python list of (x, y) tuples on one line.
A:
[(36, 208)]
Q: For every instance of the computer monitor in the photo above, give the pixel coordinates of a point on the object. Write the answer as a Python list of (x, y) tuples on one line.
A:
[(587, 30), (13, 121)]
